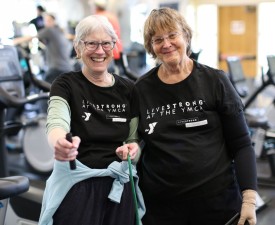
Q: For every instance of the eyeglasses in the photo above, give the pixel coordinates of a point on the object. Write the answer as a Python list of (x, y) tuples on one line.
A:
[(160, 39), (93, 45)]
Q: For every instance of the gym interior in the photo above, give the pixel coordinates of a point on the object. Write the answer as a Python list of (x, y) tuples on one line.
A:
[(236, 37)]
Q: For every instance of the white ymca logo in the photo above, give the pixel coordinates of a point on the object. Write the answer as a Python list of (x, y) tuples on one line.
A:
[(86, 116), (151, 127)]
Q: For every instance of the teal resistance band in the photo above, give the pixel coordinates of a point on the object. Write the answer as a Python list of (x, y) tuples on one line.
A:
[(133, 188)]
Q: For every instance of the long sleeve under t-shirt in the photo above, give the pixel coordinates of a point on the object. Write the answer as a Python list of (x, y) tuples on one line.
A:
[(190, 148)]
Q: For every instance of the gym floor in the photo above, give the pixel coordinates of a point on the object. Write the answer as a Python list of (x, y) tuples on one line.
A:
[(266, 215)]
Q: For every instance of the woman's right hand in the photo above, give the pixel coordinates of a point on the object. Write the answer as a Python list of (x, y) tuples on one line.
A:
[(65, 150)]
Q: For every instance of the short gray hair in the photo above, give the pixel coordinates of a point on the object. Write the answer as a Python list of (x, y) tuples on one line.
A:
[(91, 24)]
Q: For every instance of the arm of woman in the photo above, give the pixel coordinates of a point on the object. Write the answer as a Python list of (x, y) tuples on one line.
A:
[(58, 125), (240, 147)]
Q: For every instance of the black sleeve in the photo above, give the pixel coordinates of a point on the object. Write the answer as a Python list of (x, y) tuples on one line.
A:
[(240, 148)]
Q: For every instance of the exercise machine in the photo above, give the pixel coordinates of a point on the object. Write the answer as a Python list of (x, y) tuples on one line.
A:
[(262, 130), (121, 67), (10, 187), (37, 152), (195, 55), (23, 209), (268, 80)]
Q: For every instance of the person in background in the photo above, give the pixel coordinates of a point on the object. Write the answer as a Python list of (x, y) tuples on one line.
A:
[(100, 110), (101, 9), (38, 21), (198, 163), (57, 48)]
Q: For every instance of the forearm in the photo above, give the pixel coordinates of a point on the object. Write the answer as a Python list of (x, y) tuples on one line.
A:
[(240, 148), (245, 166), (58, 119), (133, 137), (133, 134), (54, 135)]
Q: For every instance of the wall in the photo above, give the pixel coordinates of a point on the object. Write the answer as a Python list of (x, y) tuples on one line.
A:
[(265, 37)]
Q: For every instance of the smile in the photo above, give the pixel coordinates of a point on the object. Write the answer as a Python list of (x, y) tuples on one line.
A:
[(98, 59)]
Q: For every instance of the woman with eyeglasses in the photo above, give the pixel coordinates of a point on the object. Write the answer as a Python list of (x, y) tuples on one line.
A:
[(100, 110), (198, 163)]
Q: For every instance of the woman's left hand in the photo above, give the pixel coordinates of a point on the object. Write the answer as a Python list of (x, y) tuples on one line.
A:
[(248, 211), (131, 148)]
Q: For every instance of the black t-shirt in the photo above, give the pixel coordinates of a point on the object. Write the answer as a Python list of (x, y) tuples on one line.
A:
[(185, 153), (100, 116), (38, 22)]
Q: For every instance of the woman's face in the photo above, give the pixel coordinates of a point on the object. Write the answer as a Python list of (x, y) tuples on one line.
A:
[(169, 46), (96, 51)]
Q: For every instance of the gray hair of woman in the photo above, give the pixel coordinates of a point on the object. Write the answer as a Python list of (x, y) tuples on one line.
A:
[(165, 19), (89, 25)]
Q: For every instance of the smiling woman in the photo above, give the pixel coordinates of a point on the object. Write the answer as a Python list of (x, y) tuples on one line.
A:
[(190, 128), (100, 110)]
